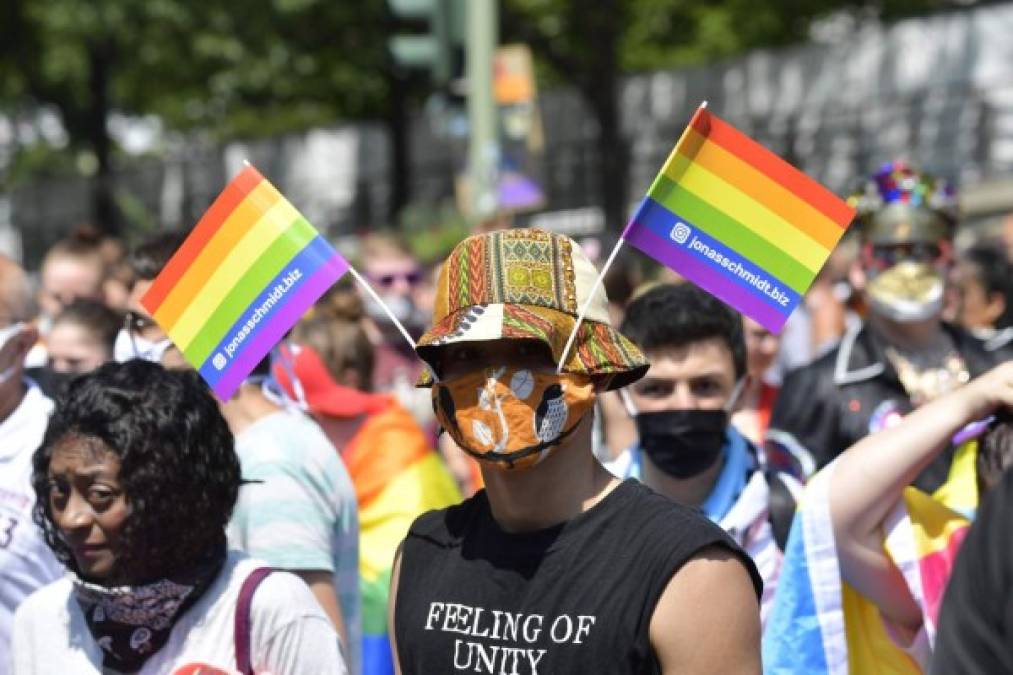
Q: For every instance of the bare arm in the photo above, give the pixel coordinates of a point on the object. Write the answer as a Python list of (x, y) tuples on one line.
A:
[(870, 477), (707, 621), (395, 576), (321, 583)]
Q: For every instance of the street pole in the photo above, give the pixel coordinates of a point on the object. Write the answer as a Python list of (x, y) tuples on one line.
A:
[(483, 151)]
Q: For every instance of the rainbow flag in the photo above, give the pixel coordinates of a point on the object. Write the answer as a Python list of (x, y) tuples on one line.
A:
[(738, 221), (397, 477), (246, 273), (820, 625)]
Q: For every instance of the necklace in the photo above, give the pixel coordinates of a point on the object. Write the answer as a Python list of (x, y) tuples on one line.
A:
[(926, 376)]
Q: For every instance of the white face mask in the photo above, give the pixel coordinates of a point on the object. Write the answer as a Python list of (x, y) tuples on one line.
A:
[(129, 346), (6, 334)]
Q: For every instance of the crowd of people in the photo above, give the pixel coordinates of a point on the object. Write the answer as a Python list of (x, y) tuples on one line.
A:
[(488, 500)]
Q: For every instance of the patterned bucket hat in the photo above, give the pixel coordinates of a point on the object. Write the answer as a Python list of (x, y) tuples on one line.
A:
[(528, 284)]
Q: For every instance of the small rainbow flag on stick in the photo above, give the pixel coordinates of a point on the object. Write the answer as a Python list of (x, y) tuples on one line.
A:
[(738, 221), (249, 270)]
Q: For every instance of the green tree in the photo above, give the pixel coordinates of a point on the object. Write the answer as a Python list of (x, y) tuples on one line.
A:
[(236, 68)]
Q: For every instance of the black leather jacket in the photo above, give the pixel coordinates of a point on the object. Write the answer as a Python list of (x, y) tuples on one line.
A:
[(832, 403)]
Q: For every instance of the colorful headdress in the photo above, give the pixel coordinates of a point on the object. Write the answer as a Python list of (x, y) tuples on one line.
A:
[(901, 205)]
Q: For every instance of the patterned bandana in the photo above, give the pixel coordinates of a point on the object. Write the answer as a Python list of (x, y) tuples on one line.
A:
[(528, 284), (130, 623), (511, 418)]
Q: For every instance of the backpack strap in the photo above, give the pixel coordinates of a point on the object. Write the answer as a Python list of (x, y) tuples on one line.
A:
[(781, 509), (244, 661)]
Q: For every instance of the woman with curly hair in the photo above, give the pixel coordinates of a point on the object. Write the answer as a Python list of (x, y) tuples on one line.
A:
[(135, 480)]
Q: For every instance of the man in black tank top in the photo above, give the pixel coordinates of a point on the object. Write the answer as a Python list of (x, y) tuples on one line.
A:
[(556, 567)]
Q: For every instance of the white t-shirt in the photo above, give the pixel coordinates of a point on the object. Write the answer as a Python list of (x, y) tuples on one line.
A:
[(289, 634), (26, 563), (301, 514)]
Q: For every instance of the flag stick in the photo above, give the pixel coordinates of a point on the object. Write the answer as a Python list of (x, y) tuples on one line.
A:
[(601, 277), (383, 305), (587, 303)]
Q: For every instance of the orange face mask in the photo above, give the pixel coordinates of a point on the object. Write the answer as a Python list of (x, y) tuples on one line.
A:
[(511, 417)]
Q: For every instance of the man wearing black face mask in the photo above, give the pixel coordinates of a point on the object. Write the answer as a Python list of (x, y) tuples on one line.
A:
[(686, 449)]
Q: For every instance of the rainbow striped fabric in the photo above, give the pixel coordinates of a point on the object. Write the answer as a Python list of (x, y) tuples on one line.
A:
[(820, 625), (246, 273), (397, 477), (738, 221)]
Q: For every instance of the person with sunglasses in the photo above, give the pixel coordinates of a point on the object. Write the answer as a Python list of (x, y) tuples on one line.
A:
[(401, 283), (26, 563), (903, 355)]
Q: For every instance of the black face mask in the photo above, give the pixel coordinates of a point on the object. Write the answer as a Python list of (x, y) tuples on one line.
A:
[(683, 443)]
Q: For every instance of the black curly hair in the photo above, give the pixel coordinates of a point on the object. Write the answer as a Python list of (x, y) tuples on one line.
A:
[(178, 465), (675, 315)]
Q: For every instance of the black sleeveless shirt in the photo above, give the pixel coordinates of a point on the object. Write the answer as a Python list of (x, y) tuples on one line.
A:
[(574, 598)]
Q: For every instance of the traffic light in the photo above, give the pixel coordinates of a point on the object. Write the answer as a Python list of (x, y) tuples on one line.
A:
[(432, 37)]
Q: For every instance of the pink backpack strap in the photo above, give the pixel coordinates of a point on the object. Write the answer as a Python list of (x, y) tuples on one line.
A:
[(244, 661)]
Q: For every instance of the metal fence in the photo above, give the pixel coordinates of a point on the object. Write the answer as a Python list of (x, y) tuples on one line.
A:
[(935, 90)]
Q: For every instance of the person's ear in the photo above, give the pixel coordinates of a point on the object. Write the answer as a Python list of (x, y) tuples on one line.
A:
[(856, 272), (946, 257), (995, 306)]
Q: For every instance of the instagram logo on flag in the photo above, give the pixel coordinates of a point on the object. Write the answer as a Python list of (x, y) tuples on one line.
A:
[(680, 233), (219, 361)]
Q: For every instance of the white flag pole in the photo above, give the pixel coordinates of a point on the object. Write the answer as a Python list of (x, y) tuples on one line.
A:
[(383, 305), (599, 280), (587, 303)]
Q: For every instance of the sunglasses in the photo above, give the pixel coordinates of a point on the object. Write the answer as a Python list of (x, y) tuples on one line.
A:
[(135, 322), (388, 280), (889, 255)]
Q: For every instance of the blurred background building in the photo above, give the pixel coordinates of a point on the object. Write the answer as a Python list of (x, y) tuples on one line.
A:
[(358, 142)]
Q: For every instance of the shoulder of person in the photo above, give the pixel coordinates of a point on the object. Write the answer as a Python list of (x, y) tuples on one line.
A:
[(286, 440), (451, 523), (670, 529), (279, 598), (46, 602), (976, 354), (283, 597), (819, 370), (711, 589)]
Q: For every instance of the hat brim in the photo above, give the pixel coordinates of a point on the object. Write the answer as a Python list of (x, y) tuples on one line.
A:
[(599, 350)]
